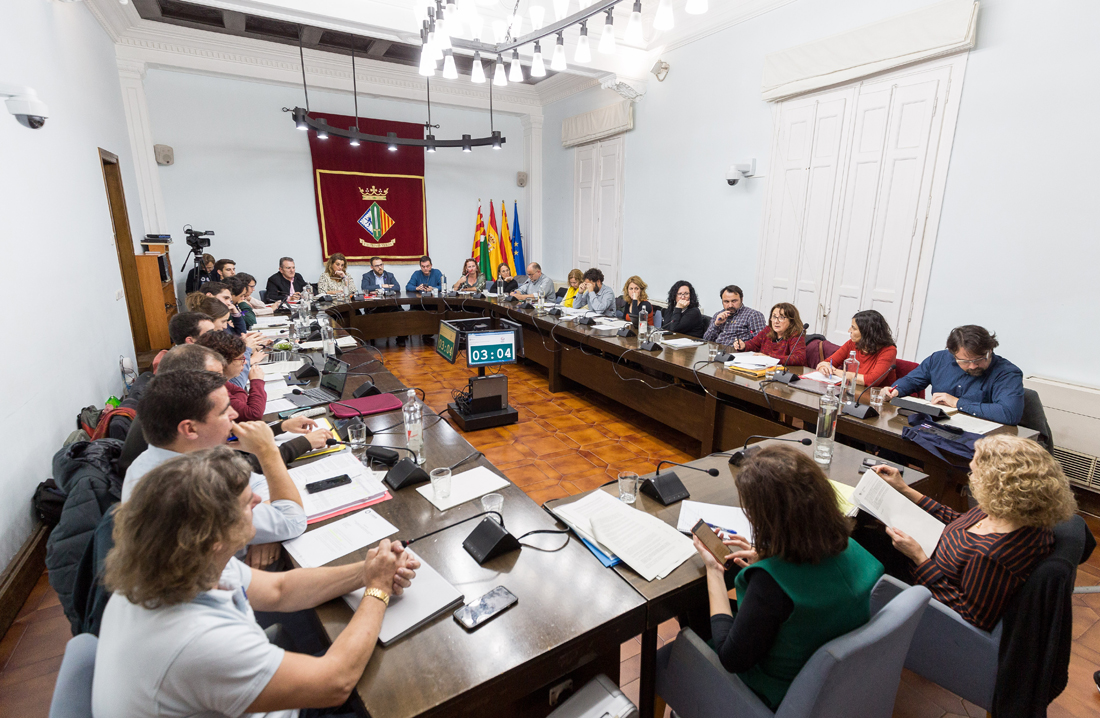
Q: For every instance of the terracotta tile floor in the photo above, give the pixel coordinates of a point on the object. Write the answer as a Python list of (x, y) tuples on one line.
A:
[(594, 439)]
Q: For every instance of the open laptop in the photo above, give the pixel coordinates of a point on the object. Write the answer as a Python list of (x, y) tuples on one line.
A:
[(333, 379)]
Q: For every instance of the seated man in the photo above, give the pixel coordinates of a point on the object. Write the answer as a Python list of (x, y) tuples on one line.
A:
[(284, 284), (735, 321), (179, 636), (425, 280), (200, 274), (970, 377), (594, 296), (224, 269), (379, 281), (536, 285), (184, 328), (186, 411)]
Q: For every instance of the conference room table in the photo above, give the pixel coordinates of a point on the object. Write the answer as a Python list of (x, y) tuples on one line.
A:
[(686, 587), (680, 388), (569, 622)]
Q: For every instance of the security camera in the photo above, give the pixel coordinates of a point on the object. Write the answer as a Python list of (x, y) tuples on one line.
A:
[(736, 173), (23, 102), (733, 176)]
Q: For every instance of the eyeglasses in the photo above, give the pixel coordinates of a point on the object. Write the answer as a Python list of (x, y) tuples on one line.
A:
[(972, 362), (778, 317)]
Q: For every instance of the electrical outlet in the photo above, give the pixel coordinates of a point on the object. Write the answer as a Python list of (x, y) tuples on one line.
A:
[(118, 295), (560, 691)]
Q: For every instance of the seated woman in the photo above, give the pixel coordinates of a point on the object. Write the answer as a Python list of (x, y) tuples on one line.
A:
[(566, 295), (985, 555), (804, 583), (635, 300), (873, 344), (783, 338), (250, 404), (217, 311), (193, 301), (238, 290), (505, 283), (471, 279), (335, 279), (682, 315)]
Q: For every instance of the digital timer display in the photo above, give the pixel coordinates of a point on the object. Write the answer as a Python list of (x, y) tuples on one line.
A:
[(490, 348)]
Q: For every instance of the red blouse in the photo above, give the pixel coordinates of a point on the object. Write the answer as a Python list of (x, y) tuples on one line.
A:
[(250, 404), (871, 366), (789, 352)]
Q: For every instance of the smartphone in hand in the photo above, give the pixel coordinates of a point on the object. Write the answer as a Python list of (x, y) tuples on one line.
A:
[(711, 542)]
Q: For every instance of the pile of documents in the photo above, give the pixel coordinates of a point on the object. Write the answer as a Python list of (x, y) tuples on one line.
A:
[(682, 343), (330, 542), (466, 486), (366, 486), (645, 543), (346, 342), (885, 503)]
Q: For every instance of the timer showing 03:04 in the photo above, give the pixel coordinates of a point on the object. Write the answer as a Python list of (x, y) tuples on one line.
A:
[(485, 348), (491, 354)]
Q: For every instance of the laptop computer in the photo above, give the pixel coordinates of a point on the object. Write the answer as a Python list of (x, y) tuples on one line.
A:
[(333, 379)]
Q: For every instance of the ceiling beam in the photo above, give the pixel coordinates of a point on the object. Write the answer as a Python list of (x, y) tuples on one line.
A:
[(378, 48), (233, 21)]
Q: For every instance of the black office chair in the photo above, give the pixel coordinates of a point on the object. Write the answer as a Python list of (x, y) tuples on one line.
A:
[(1036, 418), (263, 296)]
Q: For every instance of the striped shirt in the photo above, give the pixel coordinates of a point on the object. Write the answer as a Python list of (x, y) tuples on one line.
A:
[(977, 574)]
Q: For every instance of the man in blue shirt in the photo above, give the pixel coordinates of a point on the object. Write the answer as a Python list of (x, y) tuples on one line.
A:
[(425, 280), (970, 377), (381, 281)]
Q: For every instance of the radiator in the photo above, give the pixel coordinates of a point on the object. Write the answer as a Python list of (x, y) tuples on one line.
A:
[(1073, 412)]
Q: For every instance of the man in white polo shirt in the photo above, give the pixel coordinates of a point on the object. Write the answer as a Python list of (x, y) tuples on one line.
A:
[(179, 637)]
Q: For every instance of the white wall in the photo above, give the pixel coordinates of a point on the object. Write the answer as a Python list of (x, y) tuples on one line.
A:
[(56, 234), (243, 171), (1016, 250)]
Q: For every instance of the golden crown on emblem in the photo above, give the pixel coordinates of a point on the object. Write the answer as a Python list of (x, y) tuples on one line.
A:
[(374, 193)]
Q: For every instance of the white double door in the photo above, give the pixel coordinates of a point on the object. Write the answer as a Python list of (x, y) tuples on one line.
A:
[(598, 202), (854, 198)]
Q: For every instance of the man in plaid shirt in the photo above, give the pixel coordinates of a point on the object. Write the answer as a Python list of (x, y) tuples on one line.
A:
[(735, 321)]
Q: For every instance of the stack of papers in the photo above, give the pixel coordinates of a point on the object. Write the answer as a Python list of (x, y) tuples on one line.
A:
[(973, 424), (328, 543), (645, 543), (366, 486), (342, 342), (844, 498), (730, 519), (818, 376), (751, 360), (885, 503), (281, 368), (263, 311), (681, 343), (269, 320), (466, 486), (322, 423)]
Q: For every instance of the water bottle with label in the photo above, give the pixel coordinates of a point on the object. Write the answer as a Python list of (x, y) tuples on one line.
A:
[(328, 340), (848, 381), (413, 414), (643, 323), (443, 283), (826, 426)]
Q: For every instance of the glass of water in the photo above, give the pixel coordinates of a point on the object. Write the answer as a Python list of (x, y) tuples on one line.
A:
[(713, 351), (878, 395), (441, 483), (492, 502), (628, 487), (357, 434)]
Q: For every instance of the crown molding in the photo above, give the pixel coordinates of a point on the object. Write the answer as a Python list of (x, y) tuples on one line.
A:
[(734, 15), (563, 85)]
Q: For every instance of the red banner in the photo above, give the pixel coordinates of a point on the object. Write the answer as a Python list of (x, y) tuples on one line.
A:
[(370, 201)]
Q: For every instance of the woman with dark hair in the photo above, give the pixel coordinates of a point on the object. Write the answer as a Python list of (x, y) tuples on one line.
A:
[(216, 310), (873, 344), (784, 338), (505, 283), (238, 291), (800, 584), (471, 279), (683, 315), (335, 279), (249, 404)]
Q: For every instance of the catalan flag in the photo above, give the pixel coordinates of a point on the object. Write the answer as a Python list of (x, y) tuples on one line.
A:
[(506, 241), (517, 243), (494, 243), (480, 251)]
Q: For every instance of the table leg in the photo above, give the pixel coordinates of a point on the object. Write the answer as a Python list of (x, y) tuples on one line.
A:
[(647, 684), (554, 374)]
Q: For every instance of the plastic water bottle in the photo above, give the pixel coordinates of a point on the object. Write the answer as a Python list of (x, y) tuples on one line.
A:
[(848, 382), (413, 414), (328, 340), (643, 323), (446, 287), (826, 426)]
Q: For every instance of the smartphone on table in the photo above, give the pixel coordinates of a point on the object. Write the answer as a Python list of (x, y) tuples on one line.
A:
[(492, 604)]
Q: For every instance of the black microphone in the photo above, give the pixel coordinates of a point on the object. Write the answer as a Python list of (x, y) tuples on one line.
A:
[(668, 488), (712, 472), (745, 451), (864, 411), (785, 376)]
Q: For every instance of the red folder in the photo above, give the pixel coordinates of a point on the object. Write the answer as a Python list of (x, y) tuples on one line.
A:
[(367, 405)]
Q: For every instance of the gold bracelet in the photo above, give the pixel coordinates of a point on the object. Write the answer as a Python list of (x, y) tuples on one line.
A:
[(379, 594)]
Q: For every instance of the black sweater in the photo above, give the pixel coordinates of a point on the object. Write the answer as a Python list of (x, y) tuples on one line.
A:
[(744, 639), (687, 321), (279, 287)]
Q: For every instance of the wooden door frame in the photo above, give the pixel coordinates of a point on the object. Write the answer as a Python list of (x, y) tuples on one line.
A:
[(124, 247)]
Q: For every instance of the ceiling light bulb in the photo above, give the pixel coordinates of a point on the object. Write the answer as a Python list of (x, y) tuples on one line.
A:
[(466, 142), (353, 141), (607, 39), (538, 69), (663, 20), (477, 25), (516, 25), (496, 139), (431, 143), (450, 72), (427, 62), (442, 35), (538, 14), (432, 45), (561, 9), (498, 74), (557, 62), (515, 72), (322, 133), (300, 122), (500, 30), (695, 7), (477, 72), (583, 54), (391, 146), (634, 26)]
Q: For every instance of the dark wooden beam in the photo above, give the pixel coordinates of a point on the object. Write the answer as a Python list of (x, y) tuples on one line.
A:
[(378, 48)]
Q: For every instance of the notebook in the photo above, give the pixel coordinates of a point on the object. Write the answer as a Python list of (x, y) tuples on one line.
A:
[(429, 596)]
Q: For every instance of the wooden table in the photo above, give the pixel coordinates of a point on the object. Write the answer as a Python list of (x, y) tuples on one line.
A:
[(571, 618), (677, 387), (686, 586)]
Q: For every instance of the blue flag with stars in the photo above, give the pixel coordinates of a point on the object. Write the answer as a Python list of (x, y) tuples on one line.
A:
[(517, 241)]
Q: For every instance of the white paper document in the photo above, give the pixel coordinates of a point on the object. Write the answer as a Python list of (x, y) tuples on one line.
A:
[(818, 376), (365, 484), (752, 360), (681, 343), (342, 342), (973, 424), (276, 387), (466, 486), (281, 368), (926, 402), (270, 321), (429, 596), (339, 538), (276, 405), (730, 518), (886, 504)]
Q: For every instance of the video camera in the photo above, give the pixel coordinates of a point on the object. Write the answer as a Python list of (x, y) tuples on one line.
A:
[(196, 240)]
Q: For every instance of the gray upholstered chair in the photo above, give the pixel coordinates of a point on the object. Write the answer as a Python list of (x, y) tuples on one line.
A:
[(1035, 417), (72, 695), (853, 676)]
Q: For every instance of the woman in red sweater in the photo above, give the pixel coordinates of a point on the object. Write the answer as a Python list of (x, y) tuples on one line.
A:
[(784, 338), (874, 347), (250, 404)]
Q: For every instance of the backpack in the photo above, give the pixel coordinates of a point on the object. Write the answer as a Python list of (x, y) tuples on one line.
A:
[(947, 443), (48, 501)]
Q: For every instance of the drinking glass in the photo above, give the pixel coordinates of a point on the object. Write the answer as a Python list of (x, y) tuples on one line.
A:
[(628, 487), (878, 395), (357, 435), (492, 502), (441, 483), (712, 351)]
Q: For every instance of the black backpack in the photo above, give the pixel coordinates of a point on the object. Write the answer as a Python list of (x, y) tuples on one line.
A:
[(48, 501)]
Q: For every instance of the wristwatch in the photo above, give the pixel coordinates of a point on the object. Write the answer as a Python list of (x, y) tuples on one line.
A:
[(379, 594)]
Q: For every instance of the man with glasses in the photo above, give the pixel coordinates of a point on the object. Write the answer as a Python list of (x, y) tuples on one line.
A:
[(383, 282), (970, 377)]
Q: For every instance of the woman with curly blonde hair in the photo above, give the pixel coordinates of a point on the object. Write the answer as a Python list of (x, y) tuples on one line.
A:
[(985, 555)]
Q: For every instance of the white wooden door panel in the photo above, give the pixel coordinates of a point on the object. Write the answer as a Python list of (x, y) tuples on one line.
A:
[(584, 203), (608, 201)]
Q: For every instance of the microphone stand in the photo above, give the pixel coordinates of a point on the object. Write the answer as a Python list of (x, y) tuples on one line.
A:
[(786, 376), (864, 411), (739, 456)]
